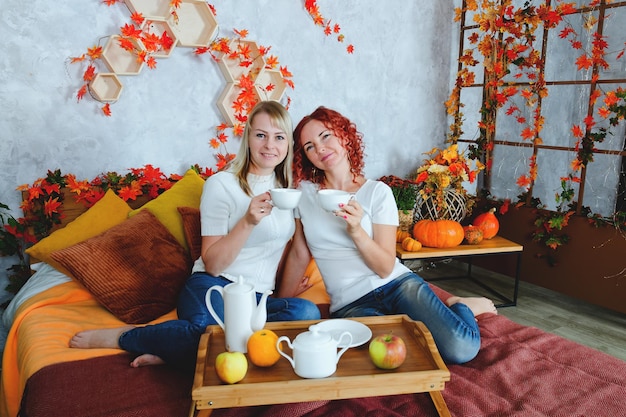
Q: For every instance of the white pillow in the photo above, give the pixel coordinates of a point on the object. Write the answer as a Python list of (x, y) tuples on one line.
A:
[(44, 278)]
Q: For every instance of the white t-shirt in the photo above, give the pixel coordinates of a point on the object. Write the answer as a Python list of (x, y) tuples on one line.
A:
[(345, 274), (222, 204)]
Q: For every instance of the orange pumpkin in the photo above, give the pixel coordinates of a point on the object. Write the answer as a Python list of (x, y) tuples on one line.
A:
[(488, 223), (411, 245), (401, 235), (438, 233), (473, 234)]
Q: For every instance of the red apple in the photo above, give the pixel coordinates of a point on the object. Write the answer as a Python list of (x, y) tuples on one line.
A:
[(387, 351)]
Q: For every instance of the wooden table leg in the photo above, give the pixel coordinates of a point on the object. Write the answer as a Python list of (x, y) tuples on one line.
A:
[(198, 413), (440, 404)]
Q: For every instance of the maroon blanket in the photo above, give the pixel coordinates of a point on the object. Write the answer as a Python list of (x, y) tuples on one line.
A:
[(520, 371)]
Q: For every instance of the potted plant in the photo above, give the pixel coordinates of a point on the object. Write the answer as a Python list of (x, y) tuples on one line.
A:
[(405, 193)]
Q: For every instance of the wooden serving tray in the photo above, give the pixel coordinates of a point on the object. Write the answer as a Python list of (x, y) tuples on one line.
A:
[(356, 375)]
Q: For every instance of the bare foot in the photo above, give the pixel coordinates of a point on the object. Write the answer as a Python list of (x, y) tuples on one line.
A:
[(478, 305), (146, 359), (100, 338)]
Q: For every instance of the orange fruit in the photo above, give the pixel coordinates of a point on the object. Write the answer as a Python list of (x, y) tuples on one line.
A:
[(262, 349)]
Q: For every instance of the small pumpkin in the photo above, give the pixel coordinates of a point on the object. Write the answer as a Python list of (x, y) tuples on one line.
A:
[(473, 234), (401, 235), (411, 245), (438, 233), (488, 223)]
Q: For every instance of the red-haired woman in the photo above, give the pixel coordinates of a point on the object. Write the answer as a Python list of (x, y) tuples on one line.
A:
[(354, 246)]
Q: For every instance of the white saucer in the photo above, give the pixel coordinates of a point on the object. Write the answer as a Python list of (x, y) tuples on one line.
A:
[(360, 332)]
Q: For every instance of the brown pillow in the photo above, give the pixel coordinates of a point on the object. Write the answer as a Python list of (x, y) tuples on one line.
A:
[(193, 231), (135, 269)]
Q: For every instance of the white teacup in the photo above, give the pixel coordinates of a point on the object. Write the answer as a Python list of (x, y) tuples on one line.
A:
[(331, 199), (285, 198)]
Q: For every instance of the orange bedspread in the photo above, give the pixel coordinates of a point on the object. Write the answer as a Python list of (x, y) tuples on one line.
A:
[(40, 336)]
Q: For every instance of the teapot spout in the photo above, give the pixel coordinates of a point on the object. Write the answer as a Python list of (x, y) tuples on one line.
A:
[(258, 319)]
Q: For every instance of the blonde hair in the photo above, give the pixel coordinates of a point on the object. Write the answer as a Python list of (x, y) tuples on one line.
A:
[(280, 118)]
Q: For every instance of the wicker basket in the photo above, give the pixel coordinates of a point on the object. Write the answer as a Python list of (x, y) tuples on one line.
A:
[(455, 207)]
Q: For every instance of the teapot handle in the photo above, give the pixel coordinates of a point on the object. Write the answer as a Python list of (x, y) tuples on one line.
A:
[(343, 350), (215, 316), (278, 342)]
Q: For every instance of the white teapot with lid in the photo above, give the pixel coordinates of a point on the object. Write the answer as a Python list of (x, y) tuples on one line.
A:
[(242, 315), (314, 352)]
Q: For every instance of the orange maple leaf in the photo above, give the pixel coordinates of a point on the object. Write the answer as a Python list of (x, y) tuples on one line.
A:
[(285, 72), (175, 3), (137, 18), (77, 59), (238, 129), (222, 137), (221, 127), (527, 133), (584, 62), (241, 33), (130, 31), (214, 143), (129, 193), (51, 206), (523, 181), (94, 53), (271, 62), (604, 112), (126, 44), (151, 41), (106, 109), (577, 131)]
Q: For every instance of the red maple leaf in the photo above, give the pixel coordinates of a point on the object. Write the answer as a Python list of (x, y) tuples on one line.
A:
[(577, 131), (89, 73), (151, 62), (106, 109), (137, 18), (81, 93)]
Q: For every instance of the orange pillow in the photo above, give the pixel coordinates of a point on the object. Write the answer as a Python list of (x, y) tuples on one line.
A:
[(135, 269)]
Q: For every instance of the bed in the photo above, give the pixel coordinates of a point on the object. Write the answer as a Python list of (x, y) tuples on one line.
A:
[(116, 264)]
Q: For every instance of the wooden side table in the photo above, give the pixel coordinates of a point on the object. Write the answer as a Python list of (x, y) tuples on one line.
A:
[(495, 246)]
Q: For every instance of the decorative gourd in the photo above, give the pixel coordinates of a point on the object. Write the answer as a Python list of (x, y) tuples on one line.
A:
[(411, 245), (401, 235), (473, 234), (488, 223), (438, 233)]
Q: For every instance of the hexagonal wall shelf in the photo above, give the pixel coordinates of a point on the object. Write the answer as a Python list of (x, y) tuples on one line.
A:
[(241, 51), (150, 9), (119, 60), (226, 99), (271, 84), (158, 27), (196, 26), (105, 87)]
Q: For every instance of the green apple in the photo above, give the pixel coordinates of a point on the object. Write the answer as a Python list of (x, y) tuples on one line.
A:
[(387, 351), (231, 367)]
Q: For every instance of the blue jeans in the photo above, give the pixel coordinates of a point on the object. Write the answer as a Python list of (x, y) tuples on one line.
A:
[(176, 341), (454, 328)]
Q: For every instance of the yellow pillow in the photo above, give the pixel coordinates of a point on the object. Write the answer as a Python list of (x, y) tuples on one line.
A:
[(109, 211), (185, 193)]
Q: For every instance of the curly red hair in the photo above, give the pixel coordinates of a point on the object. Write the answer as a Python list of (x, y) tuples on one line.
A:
[(351, 140)]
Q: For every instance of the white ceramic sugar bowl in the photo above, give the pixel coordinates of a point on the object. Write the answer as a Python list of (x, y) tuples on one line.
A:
[(314, 352)]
